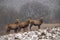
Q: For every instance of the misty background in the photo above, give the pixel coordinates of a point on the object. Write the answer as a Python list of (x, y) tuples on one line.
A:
[(10, 9)]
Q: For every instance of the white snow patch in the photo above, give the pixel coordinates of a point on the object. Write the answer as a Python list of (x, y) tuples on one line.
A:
[(41, 34)]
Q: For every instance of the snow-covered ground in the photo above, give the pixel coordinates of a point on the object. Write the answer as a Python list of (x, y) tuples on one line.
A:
[(41, 34)]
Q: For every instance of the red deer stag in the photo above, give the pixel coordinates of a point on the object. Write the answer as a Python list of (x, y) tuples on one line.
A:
[(24, 25), (36, 23), (12, 27)]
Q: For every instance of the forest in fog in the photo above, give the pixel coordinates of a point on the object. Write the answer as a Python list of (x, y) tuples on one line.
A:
[(10, 9)]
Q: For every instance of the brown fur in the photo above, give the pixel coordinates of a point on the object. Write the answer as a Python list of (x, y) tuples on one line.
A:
[(36, 23), (24, 25), (12, 27)]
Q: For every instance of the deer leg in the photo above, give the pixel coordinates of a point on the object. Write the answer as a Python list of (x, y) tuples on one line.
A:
[(19, 28), (38, 26), (30, 26), (15, 30), (8, 30), (24, 29)]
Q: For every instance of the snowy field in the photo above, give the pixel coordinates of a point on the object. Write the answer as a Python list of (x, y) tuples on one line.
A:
[(41, 34)]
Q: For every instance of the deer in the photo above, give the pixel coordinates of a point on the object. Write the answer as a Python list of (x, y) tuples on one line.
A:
[(24, 25), (36, 22), (12, 26)]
